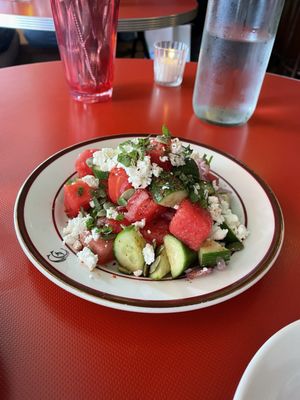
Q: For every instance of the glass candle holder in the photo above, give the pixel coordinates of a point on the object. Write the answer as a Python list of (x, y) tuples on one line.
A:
[(169, 62)]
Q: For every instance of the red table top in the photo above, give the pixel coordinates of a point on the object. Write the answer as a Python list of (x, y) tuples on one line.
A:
[(54, 345)]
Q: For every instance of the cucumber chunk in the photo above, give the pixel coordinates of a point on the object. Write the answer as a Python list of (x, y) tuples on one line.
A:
[(235, 246), (210, 251), (230, 237), (124, 270), (125, 196), (167, 190), (162, 267), (180, 256), (128, 249)]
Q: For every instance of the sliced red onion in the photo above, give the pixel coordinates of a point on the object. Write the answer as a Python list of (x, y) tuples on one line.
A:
[(221, 264), (196, 272), (204, 169)]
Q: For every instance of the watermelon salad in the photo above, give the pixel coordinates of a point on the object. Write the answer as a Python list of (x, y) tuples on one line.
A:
[(153, 206)]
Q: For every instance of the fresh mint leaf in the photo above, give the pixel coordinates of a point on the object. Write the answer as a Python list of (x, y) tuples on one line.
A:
[(99, 193), (124, 159), (70, 181), (90, 223), (207, 160), (100, 174), (80, 191), (133, 150), (165, 131), (120, 217), (187, 151)]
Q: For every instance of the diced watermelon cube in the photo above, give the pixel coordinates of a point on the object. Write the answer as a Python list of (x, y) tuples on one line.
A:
[(81, 165), (157, 153), (77, 195), (141, 206), (156, 230), (191, 224)]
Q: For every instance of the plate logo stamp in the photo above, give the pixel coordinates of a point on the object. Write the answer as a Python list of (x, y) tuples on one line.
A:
[(58, 256)]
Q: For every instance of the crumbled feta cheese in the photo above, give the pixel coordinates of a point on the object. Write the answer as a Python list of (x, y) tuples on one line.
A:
[(148, 231), (177, 159), (77, 245), (140, 175), (231, 220), (220, 212), (156, 170), (138, 272), (112, 213), (196, 188), (127, 148), (215, 209), (88, 238), (164, 158), (213, 200), (177, 153), (91, 181), (241, 232), (176, 206), (218, 233), (176, 146), (95, 234), (224, 206), (75, 227), (139, 224), (92, 204), (105, 159), (148, 253), (196, 157), (87, 257)]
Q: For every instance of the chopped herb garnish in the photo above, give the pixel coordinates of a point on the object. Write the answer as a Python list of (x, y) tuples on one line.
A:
[(90, 223), (100, 174), (70, 181), (120, 217), (190, 168), (89, 162), (133, 150), (99, 193), (187, 151), (166, 135), (198, 190), (101, 213), (207, 160), (126, 160), (80, 191), (106, 230), (165, 131)]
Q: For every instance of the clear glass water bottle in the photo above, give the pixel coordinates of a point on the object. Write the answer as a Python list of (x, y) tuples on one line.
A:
[(236, 46)]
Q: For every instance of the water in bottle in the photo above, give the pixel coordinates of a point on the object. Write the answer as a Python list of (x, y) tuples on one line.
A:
[(232, 63)]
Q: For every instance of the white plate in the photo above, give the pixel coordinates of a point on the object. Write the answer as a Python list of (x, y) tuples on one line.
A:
[(39, 220), (274, 371)]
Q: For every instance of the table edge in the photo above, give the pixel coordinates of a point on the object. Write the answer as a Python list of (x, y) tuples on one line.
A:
[(124, 24)]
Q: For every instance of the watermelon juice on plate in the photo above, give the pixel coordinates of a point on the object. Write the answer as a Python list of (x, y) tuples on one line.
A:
[(153, 205)]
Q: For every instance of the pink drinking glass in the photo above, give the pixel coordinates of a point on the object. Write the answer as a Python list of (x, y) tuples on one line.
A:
[(86, 34)]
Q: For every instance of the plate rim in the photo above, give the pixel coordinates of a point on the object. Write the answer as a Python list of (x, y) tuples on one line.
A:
[(120, 302), (263, 350)]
